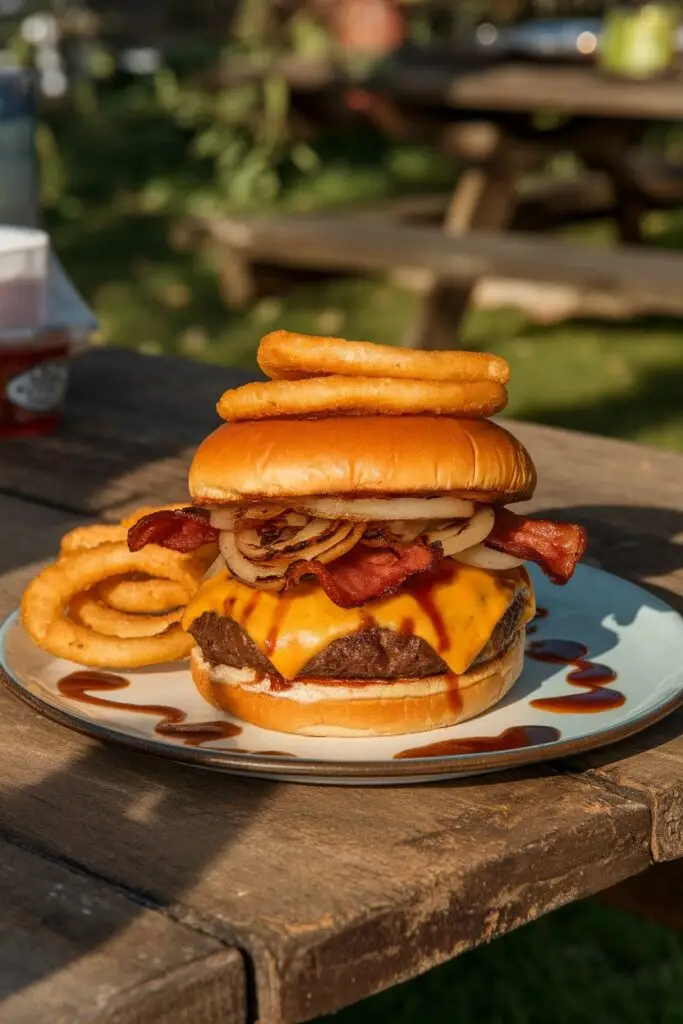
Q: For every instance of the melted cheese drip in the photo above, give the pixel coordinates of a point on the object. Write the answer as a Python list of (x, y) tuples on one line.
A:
[(455, 614)]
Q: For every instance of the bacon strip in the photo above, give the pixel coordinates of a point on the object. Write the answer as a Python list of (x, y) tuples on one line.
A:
[(554, 547), (366, 573), (183, 529)]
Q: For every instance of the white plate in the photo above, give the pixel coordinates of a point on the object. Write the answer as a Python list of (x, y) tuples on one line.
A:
[(623, 627)]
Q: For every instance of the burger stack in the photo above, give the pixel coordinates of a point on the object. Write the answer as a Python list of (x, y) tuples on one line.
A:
[(371, 579)]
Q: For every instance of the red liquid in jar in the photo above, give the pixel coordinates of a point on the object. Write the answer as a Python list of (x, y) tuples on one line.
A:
[(33, 379)]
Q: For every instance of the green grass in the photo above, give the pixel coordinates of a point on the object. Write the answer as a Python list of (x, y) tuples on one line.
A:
[(581, 965), (112, 214)]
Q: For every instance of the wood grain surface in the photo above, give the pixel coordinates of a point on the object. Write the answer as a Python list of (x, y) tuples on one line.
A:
[(331, 894), (74, 949)]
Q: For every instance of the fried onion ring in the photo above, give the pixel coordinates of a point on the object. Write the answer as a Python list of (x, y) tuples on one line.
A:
[(47, 597), (88, 611), (139, 595), (338, 395), (283, 355), (84, 538)]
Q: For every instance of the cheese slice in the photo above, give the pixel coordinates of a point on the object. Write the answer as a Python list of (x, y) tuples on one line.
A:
[(455, 614)]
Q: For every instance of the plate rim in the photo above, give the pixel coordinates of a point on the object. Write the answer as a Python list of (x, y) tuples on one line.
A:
[(448, 765)]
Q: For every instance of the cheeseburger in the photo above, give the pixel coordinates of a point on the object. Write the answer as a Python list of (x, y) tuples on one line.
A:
[(371, 578)]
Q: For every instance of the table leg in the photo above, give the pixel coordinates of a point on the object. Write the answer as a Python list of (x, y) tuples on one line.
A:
[(485, 197), (605, 146)]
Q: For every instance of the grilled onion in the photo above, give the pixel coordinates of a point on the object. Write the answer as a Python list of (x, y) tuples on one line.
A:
[(294, 532), (222, 518), (385, 509), (457, 537), (269, 573), (266, 578), (483, 557)]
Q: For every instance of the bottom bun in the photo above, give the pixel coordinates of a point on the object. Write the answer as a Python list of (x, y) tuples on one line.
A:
[(377, 708)]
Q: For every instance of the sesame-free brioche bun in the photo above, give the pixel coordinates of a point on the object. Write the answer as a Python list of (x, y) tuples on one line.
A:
[(361, 456), (375, 708)]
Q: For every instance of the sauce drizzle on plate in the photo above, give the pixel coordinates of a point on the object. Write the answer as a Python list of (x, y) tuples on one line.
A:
[(82, 686)]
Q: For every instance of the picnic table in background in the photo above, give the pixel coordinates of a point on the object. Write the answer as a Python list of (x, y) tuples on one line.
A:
[(484, 114), (136, 890)]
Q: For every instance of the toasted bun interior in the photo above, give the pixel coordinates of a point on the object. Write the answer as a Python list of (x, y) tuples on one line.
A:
[(361, 455), (376, 709)]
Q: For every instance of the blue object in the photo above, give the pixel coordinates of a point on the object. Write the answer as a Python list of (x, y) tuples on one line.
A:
[(544, 38), (18, 160)]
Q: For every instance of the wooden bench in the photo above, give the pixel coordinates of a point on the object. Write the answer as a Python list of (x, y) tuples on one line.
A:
[(368, 244)]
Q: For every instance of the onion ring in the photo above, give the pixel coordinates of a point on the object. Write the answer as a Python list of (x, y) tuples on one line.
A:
[(384, 510), (483, 557), (283, 355), (88, 611), (339, 396), (85, 538), (139, 595), (46, 598), (461, 536)]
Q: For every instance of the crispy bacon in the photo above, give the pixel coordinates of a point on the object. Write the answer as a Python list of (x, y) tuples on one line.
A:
[(554, 547), (366, 573), (183, 529)]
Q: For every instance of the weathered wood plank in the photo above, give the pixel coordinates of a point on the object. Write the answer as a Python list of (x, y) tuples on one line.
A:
[(74, 949), (649, 275), (133, 423), (71, 947), (394, 880)]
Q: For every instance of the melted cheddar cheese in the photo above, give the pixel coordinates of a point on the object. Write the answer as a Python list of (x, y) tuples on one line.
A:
[(455, 614)]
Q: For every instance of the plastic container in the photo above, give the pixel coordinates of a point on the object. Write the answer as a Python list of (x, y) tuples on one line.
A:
[(23, 278)]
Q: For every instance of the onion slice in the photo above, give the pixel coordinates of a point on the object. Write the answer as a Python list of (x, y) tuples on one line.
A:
[(385, 509), (266, 578), (222, 518), (483, 557), (466, 534), (253, 545)]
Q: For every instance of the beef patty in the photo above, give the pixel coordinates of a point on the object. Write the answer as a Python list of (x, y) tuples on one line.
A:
[(370, 654)]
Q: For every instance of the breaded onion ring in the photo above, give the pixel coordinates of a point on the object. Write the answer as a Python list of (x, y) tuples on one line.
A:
[(84, 538), (47, 597), (283, 355), (362, 395), (88, 611), (139, 595)]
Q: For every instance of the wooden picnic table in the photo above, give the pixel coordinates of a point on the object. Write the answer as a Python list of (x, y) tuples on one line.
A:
[(483, 113), (136, 891)]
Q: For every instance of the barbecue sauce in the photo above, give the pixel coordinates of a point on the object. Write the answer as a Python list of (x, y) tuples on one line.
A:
[(82, 686), (591, 677), (514, 738)]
